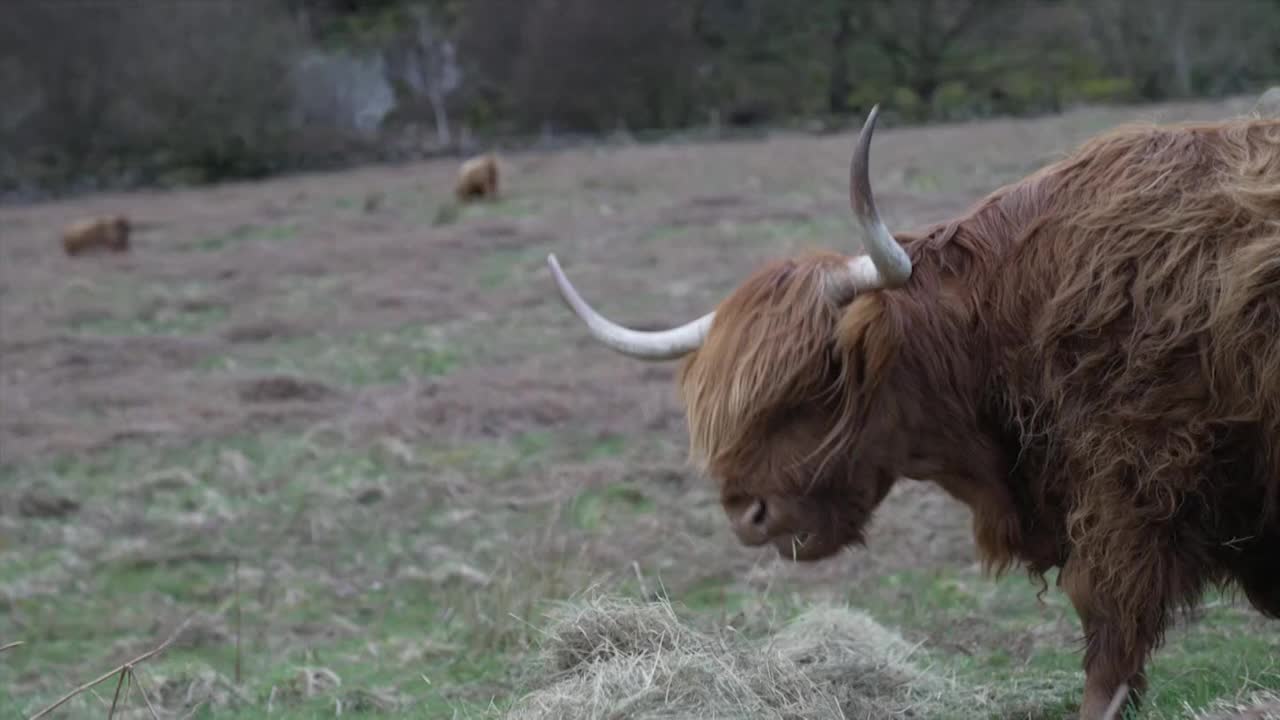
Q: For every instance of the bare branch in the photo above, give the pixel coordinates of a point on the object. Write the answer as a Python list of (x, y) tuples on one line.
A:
[(111, 673), (145, 697), (115, 699)]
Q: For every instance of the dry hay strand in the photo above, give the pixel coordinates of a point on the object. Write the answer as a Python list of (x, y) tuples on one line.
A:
[(608, 628), (867, 667), (612, 658), (1261, 705)]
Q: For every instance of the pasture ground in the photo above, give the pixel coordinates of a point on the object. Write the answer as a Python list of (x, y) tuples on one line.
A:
[(350, 430)]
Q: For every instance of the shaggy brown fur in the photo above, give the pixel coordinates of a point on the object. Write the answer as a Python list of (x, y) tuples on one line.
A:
[(477, 178), (1089, 358), (107, 233)]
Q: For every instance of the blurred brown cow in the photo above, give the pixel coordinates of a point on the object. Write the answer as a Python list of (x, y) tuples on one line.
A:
[(478, 178), (109, 233)]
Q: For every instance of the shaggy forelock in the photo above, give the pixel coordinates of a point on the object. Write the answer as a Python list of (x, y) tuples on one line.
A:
[(769, 349)]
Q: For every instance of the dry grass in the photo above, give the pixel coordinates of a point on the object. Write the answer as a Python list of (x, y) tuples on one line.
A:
[(605, 658), (1260, 705)]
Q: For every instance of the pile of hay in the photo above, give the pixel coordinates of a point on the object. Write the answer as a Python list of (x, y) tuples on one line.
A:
[(609, 658)]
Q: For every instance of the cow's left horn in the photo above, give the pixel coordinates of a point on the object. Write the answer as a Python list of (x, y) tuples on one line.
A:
[(886, 264), (658, 345)]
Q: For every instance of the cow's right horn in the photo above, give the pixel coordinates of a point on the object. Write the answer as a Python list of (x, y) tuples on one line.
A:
[(658, 345), (886, 264)]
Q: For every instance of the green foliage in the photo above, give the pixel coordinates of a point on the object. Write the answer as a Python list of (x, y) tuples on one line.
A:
[(371, 22), (179, 93), (1104, 89)]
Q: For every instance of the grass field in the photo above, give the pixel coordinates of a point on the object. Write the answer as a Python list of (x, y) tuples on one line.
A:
[(351, 435)]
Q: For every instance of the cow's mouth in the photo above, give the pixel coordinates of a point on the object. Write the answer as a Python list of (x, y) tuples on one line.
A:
[(806, 546)]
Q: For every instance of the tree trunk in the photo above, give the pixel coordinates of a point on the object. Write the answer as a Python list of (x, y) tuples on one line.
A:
[(926, 84), (443, 136), (1179, 49), (839, 87)]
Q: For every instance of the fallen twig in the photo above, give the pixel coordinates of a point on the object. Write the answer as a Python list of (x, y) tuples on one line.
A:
[(145, 698), (12, 645), (123, 668), (115, 700), (236, 571)]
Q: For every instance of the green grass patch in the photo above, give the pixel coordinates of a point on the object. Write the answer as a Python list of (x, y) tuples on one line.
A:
[(367, 358), (169, 321), (502, 206), (446, 214), (596, 508), (499, 268), (519, 453), (923, 181), (1203, 661), (347, 202), (421, 649), (716, 596), (782, 234), (244, 234), (672, 234), (787, 235), (367, 203), (607, 446), (119, 308), (497, 459), (429, 642), (449, 211)]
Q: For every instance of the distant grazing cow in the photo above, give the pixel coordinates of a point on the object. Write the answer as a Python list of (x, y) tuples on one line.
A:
[(94, 234), (478, 178), (1088, 358)]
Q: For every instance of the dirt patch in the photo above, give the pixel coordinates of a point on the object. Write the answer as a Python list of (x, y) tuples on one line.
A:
[(719, 201), (282, 388), (699, 213), (472, 404), (260, 331), (38, 503)]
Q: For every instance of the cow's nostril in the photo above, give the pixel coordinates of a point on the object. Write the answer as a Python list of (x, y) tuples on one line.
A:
[(757, 513)]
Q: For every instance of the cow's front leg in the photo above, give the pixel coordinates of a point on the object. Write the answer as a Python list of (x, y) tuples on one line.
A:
[(1115, 653), (1109, 671), (1103, 703)]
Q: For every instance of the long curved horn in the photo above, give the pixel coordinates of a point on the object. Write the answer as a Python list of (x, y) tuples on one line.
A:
[(659, 345), (890, 266)]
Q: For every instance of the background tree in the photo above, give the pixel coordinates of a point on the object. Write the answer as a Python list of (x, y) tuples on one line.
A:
[(143, 90), (1181, 48)]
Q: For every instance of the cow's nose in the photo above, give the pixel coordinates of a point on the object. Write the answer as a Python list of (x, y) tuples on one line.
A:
[(750, 522)]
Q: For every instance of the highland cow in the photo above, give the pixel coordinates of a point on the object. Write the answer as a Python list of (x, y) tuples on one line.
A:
[(477, 178), (93, 234), (1088, 358)]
